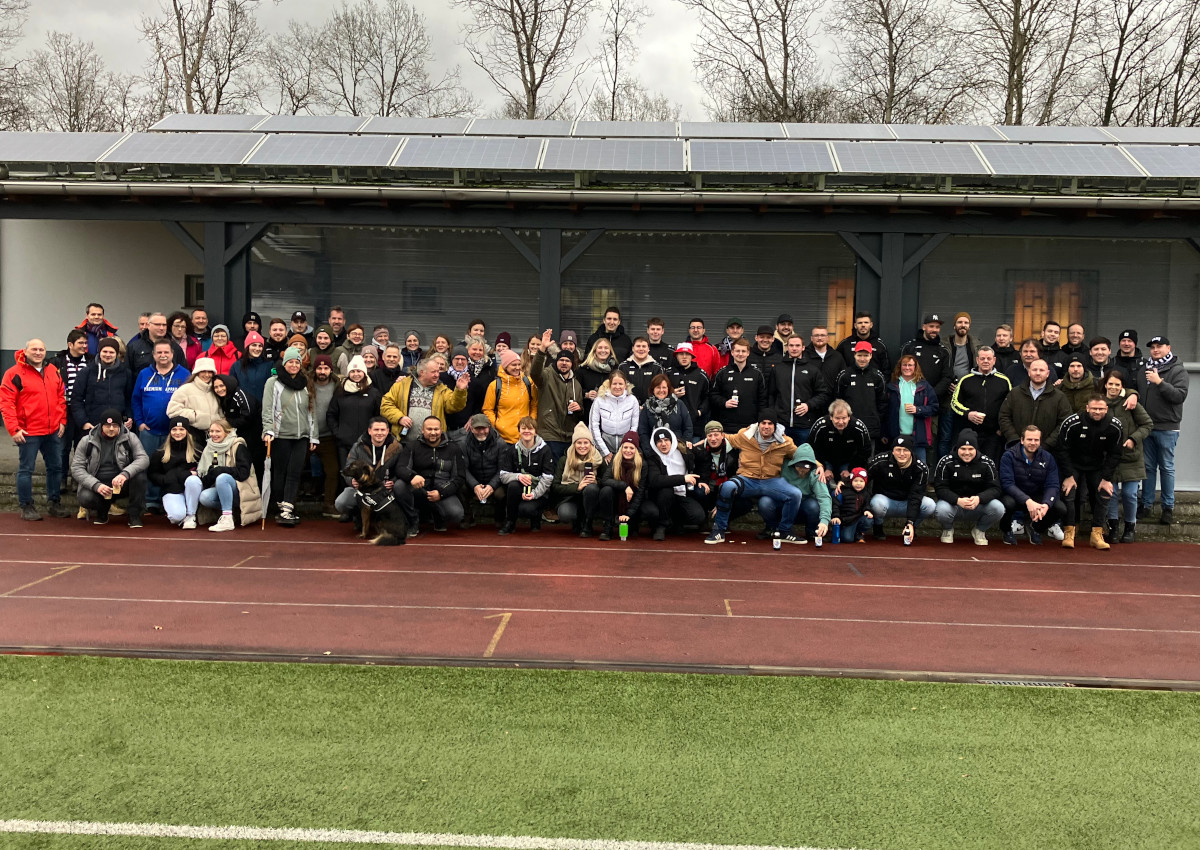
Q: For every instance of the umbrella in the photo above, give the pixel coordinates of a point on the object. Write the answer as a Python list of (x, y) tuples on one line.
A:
[(266, 487)]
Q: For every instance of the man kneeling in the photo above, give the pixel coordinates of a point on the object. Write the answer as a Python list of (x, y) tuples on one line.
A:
[(110, 464)]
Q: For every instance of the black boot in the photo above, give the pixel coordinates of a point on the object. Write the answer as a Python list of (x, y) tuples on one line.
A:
[(1107, 530), (1130, 535), (607, 532), (1114, 531)]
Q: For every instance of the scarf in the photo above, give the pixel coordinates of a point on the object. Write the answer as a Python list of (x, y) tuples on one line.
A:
[(1162, 363), (476, 366), (725, 346), (456, 374), (661, 409), (353, 388), (604, 366), (296, 382), (675, 464), (219, 454)]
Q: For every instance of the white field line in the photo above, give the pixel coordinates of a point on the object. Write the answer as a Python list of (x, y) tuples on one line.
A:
[(355, 836), (723, 551), (504, 574), (717, 619)]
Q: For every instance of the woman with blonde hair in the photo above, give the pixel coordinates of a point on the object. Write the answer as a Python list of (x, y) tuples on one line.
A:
[(224, 479), (170, 467), (628, 487), (614, 413), (579, 479), (595, 370)]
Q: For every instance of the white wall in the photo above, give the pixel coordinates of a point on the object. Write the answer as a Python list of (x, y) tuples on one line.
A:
[(50, 270)]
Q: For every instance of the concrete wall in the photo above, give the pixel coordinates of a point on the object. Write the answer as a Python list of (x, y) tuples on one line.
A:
[(49, 271)]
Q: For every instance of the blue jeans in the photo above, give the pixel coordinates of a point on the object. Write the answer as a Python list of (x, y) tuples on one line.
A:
[(778, 490), (809, 506), (985, 516), (223, 493), (1159, 449), (1125, 493), (152, 443), (799, 435), (883, 507), (50, 445)]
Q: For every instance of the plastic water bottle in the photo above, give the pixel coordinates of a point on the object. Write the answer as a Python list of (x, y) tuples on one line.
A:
[(776, 543), (837, 534), (623, 530), (818, 541)]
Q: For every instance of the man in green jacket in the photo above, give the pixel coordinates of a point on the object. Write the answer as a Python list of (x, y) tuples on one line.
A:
[(816, 506)]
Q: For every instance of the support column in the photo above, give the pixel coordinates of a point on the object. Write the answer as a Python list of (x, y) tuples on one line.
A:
[(888, 280), (550, 265), (226, 262)]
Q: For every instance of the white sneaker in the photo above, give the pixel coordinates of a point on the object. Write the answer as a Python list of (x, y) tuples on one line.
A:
[(1017, 527), (189, 523), (225, 523), (980, 537), (1056, 531), (948, 535)]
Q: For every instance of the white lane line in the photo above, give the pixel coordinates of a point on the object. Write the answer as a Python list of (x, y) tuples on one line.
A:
[(954, 588), (599, 612), (356, 836), (615, 549)]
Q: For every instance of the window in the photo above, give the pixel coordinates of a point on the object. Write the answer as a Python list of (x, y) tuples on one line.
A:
[(1041, 295), (839, 283), (193, 290)]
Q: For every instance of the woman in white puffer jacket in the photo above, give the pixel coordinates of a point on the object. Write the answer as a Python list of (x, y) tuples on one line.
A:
[(614, 413)]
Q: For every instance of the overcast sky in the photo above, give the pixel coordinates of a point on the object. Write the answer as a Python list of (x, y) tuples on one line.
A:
[(664, 63)]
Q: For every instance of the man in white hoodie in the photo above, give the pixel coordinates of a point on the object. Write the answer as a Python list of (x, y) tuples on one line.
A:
[(671, 480)]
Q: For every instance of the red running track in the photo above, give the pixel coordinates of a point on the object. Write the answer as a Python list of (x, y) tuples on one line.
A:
[(1129, 616)]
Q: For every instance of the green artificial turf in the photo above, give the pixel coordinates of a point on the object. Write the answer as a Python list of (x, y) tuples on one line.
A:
[(727, 759)]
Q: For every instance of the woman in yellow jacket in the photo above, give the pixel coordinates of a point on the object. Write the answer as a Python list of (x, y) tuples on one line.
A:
[(518, 398)]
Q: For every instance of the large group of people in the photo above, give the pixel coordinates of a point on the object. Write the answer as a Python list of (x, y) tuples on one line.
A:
[(824, 441)]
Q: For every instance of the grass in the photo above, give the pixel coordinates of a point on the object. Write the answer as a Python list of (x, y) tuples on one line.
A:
[(738, 760)]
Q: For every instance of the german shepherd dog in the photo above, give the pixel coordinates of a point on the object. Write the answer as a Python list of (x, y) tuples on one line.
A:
[(380, 512)]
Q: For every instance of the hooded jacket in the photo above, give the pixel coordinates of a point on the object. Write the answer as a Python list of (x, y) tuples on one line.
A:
[(613, 416), (152, 394), (715, 467), (955, 478), (1023, 478), (350, 411), (387, 460), (31, 400), (655, 468), (99, 388), (196, 401), (225, 356), (1164, 401), (130, 456), (509, 400), (696, 388), (1078, 392), (621, 344), (810, 485), (639, 375), (753, 462), (242, 410), (555, 392), (1136, 425), (517, 460)]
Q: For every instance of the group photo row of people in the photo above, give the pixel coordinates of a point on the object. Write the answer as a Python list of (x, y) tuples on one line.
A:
[(825, 439)]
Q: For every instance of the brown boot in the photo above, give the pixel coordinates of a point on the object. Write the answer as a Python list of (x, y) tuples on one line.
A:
[(1069, 537), (1098, 539)]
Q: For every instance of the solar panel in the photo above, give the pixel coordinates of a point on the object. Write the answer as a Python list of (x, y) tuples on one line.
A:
[(416, 126), (853, 132), (1054, 134), (55, 147), (613, 155), (513, 127), (1038, 160), (311, 149), (717, 130), (184, 148), (212, 123), (1156, 135), (945, 133), (1167, 160), (761, 157), (452, 152), (626, 129), (312, 124), (907, 158)]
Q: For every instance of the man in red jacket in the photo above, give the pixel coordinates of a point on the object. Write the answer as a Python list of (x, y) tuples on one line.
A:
[(35, 414)]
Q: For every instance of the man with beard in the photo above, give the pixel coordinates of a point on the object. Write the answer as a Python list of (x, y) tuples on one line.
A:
[(560, 396), (610, 328), (864, 331)]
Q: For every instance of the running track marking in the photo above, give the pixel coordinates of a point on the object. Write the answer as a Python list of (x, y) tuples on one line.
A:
[(698, 579), (712, 550), (601, 612), (354, 836)]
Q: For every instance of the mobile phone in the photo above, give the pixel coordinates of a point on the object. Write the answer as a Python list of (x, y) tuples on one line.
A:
[(588, 468)]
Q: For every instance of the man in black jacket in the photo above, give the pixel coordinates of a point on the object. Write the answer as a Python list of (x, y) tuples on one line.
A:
[(689, 383), (1088, 449), (764, 356), (864, 388), (139, 353), (739, 391), (435, 473), (827, 358), (967, 484), (977, 400), (864, 331), (899, 480), (841, 442), (105, 383), (612, 330), (659, 350), (481, 448), (526, 473), (799, 391)]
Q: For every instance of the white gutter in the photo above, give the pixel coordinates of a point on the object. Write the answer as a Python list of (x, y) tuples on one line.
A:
[(430, 194)]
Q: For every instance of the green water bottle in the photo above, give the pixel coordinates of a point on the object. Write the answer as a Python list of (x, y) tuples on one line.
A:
[(623, 530)]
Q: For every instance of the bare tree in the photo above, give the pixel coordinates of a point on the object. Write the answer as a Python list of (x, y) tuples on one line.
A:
[(527, 49), (756, 60), (290, 72), (622, 24), (68, 89), (12, 21), (372, 58), (899, 61), (1166, 87), (1032, 54), (205, 53), (1129, 37)]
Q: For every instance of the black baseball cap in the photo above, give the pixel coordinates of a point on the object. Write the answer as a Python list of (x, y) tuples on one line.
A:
[(1159, 340)]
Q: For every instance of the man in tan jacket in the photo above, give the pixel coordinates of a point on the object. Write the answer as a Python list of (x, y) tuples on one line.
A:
[(764, 449)]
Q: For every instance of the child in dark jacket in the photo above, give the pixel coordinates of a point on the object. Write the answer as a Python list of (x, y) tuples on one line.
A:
[(852, 507)]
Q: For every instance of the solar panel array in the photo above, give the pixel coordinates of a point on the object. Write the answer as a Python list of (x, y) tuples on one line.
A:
[(848, 154)]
